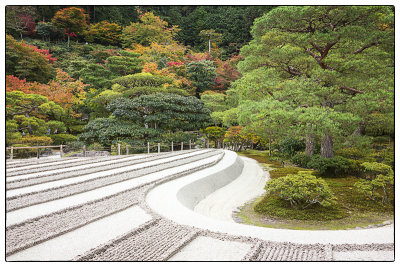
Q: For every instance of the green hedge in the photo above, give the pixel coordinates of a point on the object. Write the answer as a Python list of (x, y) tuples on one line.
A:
[(62, 139)]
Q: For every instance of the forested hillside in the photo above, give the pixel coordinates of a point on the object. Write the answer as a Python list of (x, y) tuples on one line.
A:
[(312, 79)]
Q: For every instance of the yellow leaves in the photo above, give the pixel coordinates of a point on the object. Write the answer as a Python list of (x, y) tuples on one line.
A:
[(151, 67), (138, 48), (383, 26)]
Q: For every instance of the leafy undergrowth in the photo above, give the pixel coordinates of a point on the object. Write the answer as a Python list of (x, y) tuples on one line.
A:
[(352, 209)]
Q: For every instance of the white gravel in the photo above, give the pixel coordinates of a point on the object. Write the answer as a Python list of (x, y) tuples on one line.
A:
[(46, 164), (72, 244), (44, 186), (248, 185), (211, 249), (363, 256), (139, 233), (68, 169), (164, 200), (23, 214)]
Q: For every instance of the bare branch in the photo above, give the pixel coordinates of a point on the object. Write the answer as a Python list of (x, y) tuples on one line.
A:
[(352, 90), (365, 47)]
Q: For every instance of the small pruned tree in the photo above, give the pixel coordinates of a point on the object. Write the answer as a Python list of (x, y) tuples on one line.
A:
[(377, 176), (301, 190), (72, 20), (214, 133)]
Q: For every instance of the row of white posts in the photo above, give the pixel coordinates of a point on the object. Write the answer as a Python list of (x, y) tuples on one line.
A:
[(148, 147), (37, 150), (206, 144)]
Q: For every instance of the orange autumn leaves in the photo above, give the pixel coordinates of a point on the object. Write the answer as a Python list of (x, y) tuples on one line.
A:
[(63, 90)]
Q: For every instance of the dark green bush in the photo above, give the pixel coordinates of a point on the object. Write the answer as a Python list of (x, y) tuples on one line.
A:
[(301, 190), (73, 146), (352, 153), (178, 137), (76, 129), (290, 146), (329, 166), (301, 159), (355, 167), (62, 139)]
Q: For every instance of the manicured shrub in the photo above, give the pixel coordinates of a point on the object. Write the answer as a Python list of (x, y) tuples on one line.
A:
[(329, 166), (73, 146), (62, 139), (352, 153), (178, 137), (76, 129), (355, 167), (36, 140), (290, 146), (301, 190), (378, 176), (301, 159)]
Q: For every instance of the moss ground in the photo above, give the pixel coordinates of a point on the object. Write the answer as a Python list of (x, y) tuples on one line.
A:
[(352, 210)]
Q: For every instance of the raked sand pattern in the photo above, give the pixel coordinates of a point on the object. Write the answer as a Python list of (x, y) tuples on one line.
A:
[(95, 209)]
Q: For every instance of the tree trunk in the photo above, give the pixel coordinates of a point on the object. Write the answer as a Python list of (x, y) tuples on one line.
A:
[(269, 147), (68, 41), (327, 147), (360, 130), (209, 46), (310, 144)]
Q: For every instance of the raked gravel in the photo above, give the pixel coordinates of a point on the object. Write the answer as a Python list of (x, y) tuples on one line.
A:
[(20, 215), (42, 228), (97, 168), (37, 230), (15, 170), (33, 198), (155, 241), (67, 246), (114, 228), (55, 166), (89, 167), (10, 164)]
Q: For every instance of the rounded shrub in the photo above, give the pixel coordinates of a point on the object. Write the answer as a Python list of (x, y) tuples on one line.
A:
[(290, 146), (329, 166), (301, 190), (301, 159), (62, 139)]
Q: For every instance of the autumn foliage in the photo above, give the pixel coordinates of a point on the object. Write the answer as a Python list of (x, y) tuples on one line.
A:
[(63, 90)]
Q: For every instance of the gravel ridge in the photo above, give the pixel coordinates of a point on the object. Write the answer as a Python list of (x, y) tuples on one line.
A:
[(363, 247), (29, 162), (83, 162), (34, 231), (40, 179), (160, 238), (25, 200), (156, 241), (81, 171), (268, 251)]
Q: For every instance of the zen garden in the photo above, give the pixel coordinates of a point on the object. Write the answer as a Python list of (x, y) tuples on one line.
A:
[(199, 133)]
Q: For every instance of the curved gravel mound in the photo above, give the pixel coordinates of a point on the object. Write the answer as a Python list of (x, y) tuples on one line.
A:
[(25, 200), (147, 214), (87, 168), (177, 211)]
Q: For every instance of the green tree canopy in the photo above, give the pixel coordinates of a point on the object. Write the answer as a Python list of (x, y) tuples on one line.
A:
[(150, 29), (331, 65), (147, 118), (202, 73), (24, 62)]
